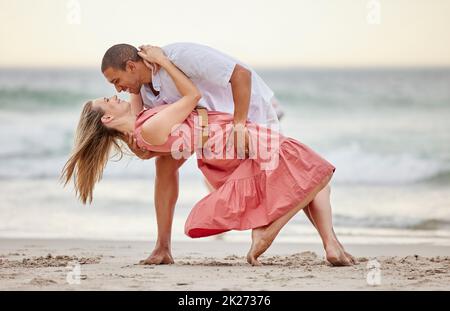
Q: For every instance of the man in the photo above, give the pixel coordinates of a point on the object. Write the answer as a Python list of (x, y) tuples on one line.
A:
[(226, 85)]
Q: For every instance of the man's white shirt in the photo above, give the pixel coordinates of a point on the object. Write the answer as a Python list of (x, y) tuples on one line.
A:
[(210, 70)]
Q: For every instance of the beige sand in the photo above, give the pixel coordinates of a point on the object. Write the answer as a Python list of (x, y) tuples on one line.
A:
[(219, 265)]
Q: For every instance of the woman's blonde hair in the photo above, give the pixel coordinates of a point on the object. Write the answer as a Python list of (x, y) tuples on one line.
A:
[(93, 142)]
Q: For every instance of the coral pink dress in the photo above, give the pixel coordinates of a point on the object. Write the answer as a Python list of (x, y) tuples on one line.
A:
[(250, 192)]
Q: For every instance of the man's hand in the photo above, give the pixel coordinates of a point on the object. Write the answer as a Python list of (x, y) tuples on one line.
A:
[(240, 136), (139, 152)]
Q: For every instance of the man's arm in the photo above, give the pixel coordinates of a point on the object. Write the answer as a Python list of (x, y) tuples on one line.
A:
[(241, 86), (203, 62)]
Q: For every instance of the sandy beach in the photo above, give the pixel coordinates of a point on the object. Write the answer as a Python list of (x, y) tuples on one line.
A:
[(36, 264)]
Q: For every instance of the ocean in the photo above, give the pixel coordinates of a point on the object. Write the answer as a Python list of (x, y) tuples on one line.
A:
[(387, 131)]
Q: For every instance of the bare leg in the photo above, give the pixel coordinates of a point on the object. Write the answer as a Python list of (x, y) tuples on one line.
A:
[(166, 195), (263, 237), (308, 214), (319, 213)]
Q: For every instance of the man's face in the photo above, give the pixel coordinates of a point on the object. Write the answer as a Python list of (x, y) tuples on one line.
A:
[(124, 80)]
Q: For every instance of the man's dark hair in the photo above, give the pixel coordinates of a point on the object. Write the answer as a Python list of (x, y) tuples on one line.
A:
[(116, 57)]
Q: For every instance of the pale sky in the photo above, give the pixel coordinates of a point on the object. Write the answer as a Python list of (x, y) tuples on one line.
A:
[(261, 33)]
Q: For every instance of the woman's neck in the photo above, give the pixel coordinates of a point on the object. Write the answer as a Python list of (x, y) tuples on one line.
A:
[(128, 124)]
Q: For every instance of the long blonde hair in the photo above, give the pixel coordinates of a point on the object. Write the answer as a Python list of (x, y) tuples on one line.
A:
[(93, 142)]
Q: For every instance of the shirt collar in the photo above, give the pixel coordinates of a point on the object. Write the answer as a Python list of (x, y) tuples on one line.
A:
[(156, 81)]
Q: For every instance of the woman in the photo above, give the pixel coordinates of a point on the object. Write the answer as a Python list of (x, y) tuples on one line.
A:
[(247, 194)]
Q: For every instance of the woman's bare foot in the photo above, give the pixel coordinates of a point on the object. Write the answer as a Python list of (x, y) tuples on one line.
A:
[(348, 255), (261, 241), (263, 237), (351, 258), (336, 255), (158, 257)]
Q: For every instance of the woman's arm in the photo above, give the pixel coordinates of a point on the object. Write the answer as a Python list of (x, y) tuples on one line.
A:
[(157, 129), (136, 107)]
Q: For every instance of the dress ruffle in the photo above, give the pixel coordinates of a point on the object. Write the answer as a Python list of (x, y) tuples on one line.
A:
[(249, 193), (251, 197)]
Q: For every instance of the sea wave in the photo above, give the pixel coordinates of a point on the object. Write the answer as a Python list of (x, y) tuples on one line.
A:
[(39, 110), (355, 165), (20, 99), (403, 222)]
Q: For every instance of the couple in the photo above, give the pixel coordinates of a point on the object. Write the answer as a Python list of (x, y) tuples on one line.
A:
[(188, 98)]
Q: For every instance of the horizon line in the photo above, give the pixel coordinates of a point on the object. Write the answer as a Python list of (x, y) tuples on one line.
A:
[(258, 67)]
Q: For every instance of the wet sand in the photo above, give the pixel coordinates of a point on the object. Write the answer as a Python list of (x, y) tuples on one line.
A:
[(29, 264)]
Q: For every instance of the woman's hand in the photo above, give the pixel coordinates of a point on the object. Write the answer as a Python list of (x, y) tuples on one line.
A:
[(152, 54), (139, 152)]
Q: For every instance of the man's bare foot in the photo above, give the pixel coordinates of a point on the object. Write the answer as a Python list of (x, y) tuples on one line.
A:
[(261, 241), (336, 255), (158, 257)]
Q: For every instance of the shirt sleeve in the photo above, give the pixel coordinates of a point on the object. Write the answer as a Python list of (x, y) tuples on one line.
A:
[(202, 62)]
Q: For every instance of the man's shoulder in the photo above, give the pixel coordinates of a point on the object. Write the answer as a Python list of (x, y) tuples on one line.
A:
[(184, 51), (182, 45), (176, 48)]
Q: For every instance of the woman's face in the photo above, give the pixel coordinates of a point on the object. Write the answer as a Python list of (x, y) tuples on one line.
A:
[(115, 109)]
